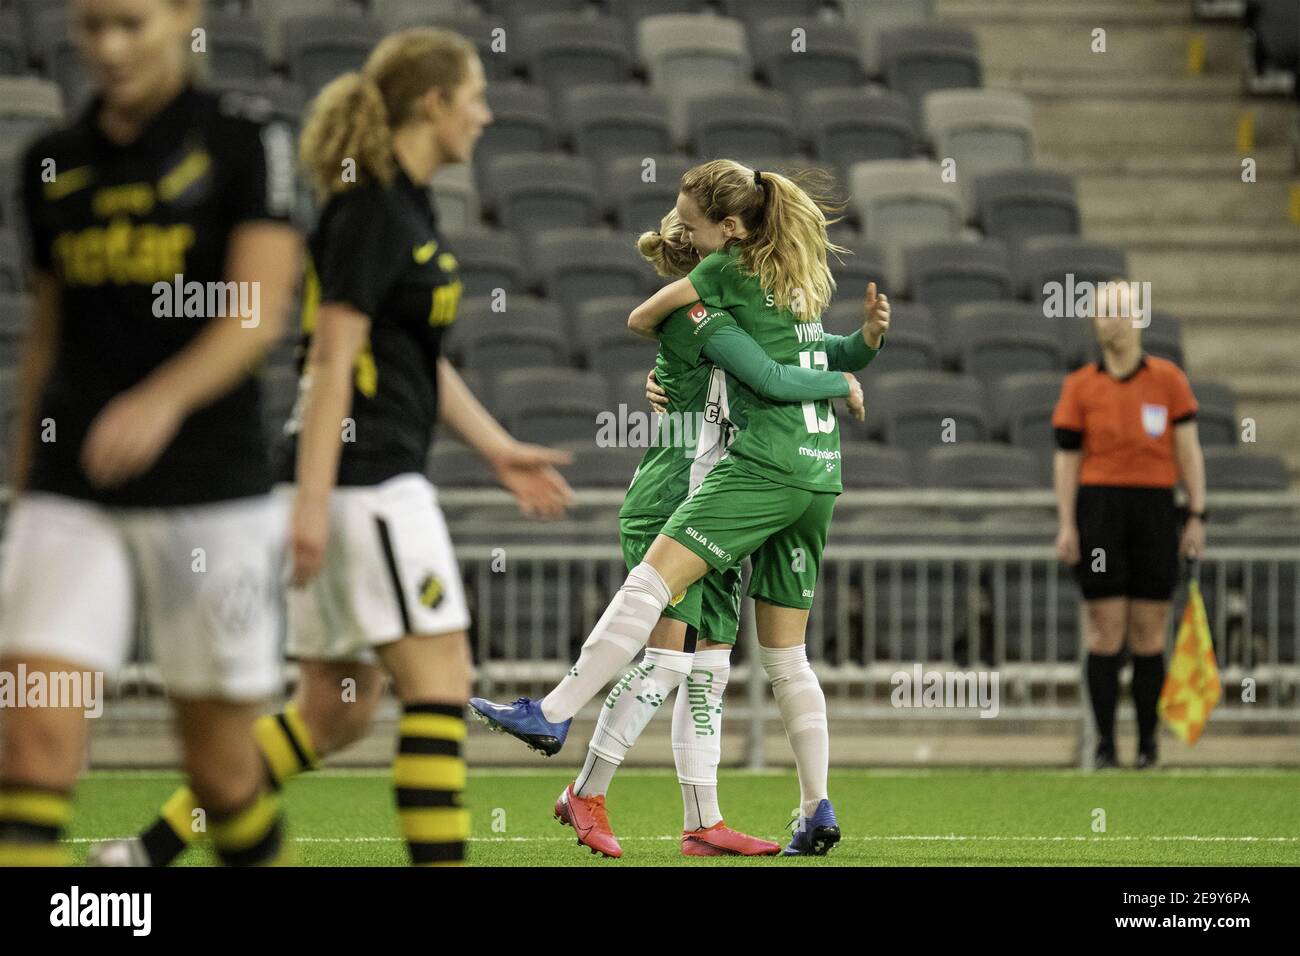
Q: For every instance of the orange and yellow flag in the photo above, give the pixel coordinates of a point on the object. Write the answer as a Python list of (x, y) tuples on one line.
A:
[(1192, 683)]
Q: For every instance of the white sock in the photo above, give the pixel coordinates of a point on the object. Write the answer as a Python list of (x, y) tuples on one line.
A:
[(621, 631), (802, 704), (697, 737), (628, 709)]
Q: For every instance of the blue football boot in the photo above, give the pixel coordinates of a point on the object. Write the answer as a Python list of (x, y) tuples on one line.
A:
[(815, 835), (523, 719)]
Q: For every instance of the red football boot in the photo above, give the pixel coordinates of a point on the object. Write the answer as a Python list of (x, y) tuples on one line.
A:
[(721, 840), (588, 818)]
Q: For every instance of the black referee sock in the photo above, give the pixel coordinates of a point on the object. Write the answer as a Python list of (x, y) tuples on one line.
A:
[(1148, 679), (1103, 688)]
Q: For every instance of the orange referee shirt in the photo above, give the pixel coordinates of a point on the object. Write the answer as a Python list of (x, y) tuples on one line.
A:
[(1124, 426)]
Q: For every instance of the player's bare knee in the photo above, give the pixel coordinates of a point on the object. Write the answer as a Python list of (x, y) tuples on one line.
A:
[(43, 747)]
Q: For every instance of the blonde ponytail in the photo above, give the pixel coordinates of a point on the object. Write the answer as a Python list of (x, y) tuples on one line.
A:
[(667, 250)]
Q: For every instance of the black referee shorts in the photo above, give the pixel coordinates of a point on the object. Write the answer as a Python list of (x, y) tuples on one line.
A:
[(1128, 542)]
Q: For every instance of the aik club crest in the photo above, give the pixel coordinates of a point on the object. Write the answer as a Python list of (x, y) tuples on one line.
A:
[(431, 591), (1154, 419)]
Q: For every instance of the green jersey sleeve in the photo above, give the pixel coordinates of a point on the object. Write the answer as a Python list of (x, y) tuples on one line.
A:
[(688, 330), (714, 279), (732, 350), (850, 353)]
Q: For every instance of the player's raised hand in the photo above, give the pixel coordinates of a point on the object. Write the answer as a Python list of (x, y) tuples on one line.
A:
[(654, 393), (128, 435), (528, 472), (857, 404), (876, 321)]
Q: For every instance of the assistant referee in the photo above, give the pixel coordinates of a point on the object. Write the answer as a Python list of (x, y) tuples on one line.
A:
[(1125, 433)]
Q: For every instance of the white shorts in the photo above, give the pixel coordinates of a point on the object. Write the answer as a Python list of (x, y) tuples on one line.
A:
[(76, 576), (389, 571)]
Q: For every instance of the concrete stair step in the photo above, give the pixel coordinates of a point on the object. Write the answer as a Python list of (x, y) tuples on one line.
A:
[(1150, 124), (1271, 161), (1221, 276), (1160, 198)]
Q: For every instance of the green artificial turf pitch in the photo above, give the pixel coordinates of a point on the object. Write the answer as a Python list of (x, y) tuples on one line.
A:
[(888, 818)]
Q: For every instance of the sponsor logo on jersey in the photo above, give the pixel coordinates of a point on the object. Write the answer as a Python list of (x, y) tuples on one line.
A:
[(1154, 419), (698, 313), (722, 553), (431, 591)]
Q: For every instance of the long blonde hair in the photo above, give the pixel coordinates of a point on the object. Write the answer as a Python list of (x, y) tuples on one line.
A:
[(354, 116), (667, 250), (786, 217)]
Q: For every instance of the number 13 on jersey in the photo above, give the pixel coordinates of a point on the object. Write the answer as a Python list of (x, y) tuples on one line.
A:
[(810, 419)]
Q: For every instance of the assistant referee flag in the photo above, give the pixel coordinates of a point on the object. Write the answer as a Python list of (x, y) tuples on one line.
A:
[(1192, 683)]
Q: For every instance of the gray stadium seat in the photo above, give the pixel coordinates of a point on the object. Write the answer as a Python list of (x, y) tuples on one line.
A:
[(634, 11), (28, 107), (609, 349), (984, 131), (950, 272), (454, 197), (1021, 406), (564, 50), (527, 335), (576, 265), (399, 13), (539, 191), (452, 464), (512, 10), (1216, 417), (918, 60), (318, 48), (869, 464), (1232, 469), (754, 13), (823, 56), (983, 465), (488, 259), (639, 205), (910, 345), (523, 121), (551, 405), (871, 18), (740, 123), (1164, 337), (12, 278), (13, 49), (1018, 204), (910, 408), (685, 55), (628, 387), (606, 122), (52, 42), (1044, 259), (903, 203), (847, 126), (489, 34), (279, 99), (9, 191), (236, 47), (15, 315), (865, 264), (993, 338), (595, 467)]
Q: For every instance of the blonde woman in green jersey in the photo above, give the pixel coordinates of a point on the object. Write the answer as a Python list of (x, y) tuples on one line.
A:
[(772, 495), (691, 645)]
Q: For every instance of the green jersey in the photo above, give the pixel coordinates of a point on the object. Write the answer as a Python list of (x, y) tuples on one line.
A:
[(791, 444), (692, 435)]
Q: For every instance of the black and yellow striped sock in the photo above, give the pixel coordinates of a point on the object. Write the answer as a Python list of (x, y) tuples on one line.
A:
[(253, 836), (31, 823), (288, 751), (429, 776)]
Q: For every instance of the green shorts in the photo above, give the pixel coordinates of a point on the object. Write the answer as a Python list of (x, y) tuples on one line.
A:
[(734, 514), (711, 605)]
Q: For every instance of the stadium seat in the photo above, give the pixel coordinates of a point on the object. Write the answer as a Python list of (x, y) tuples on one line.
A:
[(13, 49), (523, 122), (9, 189), (847, 126), (576, 265), (983, 465), (688, 54), (983, 131), (869, 464), (627, 387), (597, 467), (528, 334), (55, 49), (513, 10), (910, 345), (273, 97), (1052, 259), (917, 60), (551, 405), (11, 265), (279, 393), (1021, 406), (1232, 469), (740, 123), (952, 271), (318, 48), (564, 50), (913, 409), (1018, 204), (489, 34), (1216, 417), (15, 314), (869, 19), (993, 338), (488, 259), (606, 122), (540, 191), (29, 106), (603, 339), (236, 47), (454, 197), (452, 464), (904, 203), (634, 11), (865, 262), (639, 205), (754, 13), (819, 57), (400, 13), (1164, 337)]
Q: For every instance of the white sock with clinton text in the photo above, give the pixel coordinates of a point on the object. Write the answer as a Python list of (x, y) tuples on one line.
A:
[(620, 633), (627, 710), (697, 737), (802, 704)]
